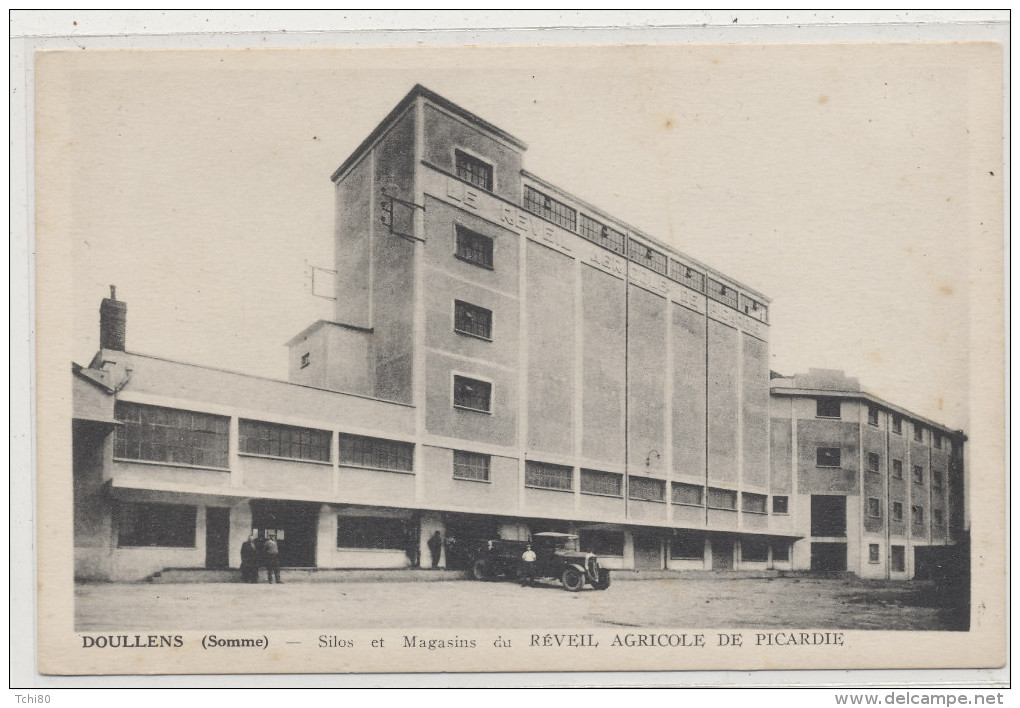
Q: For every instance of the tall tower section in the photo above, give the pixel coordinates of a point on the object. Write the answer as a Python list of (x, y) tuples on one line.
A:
[(367, 348)]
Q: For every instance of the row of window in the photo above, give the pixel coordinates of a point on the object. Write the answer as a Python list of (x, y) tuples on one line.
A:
[(543, 475), (597, 232), (477, 249), (174, 525), (829, 407), (683, 546), (916, 512), (832, 457), (157, 434)]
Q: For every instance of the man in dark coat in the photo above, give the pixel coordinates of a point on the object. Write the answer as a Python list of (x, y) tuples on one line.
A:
[(435, 548), (271, 557), (249, 561)]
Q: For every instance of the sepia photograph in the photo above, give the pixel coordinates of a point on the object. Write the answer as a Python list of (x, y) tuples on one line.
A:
[(662, 353)]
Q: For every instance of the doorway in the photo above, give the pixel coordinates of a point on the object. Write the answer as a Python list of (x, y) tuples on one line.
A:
[(828, 556), (294, 525), (464, 532), (217, 537), (722, 554), (647, 552)]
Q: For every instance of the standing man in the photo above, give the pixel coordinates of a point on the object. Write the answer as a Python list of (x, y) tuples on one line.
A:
[(249, 561), (272, 556), (435, 543), (528, 559)]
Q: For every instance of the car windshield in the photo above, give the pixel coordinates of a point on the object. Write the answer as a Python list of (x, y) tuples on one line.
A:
[(564, 543)]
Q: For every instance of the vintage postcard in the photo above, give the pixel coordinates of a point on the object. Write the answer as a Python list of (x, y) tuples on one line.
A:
[(506, 359)]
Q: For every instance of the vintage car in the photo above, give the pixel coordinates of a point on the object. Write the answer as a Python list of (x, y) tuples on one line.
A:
[(556, 556)]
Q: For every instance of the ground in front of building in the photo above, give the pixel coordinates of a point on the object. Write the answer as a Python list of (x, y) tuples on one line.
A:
[(792, 603)]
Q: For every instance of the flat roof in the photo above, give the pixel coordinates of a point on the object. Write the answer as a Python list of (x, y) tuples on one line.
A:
[(420, 91)]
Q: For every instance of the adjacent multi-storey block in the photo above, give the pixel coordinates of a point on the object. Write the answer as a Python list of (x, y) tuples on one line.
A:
[(876, 487)]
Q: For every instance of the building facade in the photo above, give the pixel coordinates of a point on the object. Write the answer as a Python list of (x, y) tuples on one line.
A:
[(876, 488), (503, 359)]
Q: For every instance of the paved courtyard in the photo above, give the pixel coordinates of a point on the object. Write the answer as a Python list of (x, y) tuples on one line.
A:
[(696, 602)]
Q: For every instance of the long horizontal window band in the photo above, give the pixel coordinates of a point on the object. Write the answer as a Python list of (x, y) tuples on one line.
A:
[(646, 489), (722, 499), (376, 533), (376, 453), (685, 275), (689, 494), (548, 208), (158, 434), (602, 234), (722, 293), (161, 525), (546, 476), (473, 466), (646, 256), (753, 308), (472, 319), (274, 440), (608, 484)]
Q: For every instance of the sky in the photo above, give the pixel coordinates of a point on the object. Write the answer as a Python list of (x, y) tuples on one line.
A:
[(852, 184)]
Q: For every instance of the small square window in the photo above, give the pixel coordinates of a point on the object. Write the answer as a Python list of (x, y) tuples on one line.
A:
[(781, 505), (918, 432), (917, 514), (472, 394), (937, 517), (937, 440), (474, 247), (918, 475), (897, 424), (936, 480), (305, 360), (872, 415), (897, 511), (828, 457), (472, 319), (873, 553), (874, 462), (471, 169), (897, 469), (827, 407), (874, 508)]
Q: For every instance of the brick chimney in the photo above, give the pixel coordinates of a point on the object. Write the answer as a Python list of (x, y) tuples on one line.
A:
[(112, 322)]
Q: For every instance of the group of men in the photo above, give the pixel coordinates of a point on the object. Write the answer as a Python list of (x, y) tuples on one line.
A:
[(256, 554)]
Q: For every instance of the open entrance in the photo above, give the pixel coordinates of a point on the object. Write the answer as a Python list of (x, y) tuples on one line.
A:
[(828, 515), (217, 537), (294, 525), (647, 551), (463, 533), (828, 556), (722, 553)]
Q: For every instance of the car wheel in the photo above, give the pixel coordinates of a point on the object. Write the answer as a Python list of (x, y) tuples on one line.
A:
[(480, 570), (573, 579), (604, 579)]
